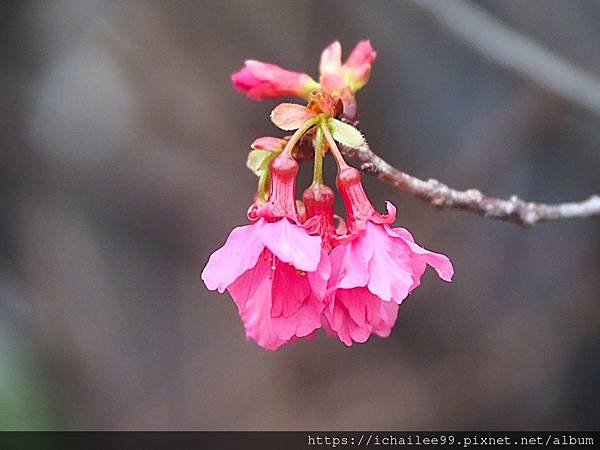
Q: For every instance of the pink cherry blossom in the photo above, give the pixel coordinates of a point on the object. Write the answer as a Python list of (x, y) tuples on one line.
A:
[(260, 81), (276, 302), (275, 271), (375, 269)]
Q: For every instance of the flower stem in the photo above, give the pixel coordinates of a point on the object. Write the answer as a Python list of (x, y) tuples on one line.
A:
[(335, 151), (319, 152), (297, 135)]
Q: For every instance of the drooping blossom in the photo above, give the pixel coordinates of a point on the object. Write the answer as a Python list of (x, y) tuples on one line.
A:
[(375, 269), (271, 266)]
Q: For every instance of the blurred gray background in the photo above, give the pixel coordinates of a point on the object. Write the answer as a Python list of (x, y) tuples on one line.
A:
[(122, 168)]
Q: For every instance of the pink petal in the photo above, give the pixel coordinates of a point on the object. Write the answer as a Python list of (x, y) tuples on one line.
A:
[(362, 306), (303, 323), (388, 316), (358, 334), (301, 310), (290, 289), (277, 82), (362, 54), (357, 68), (240, 253), (339, 324), (270, 72), (252, 293), (332, 84), (390, 272), (243, 80), (275, 303), (441, 263), (331, 59), (350, 264), (260, 81), (355, 314), (292, 244), (319, 278)]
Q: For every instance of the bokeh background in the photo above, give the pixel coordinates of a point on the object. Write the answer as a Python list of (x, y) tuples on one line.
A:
[(122, 167)]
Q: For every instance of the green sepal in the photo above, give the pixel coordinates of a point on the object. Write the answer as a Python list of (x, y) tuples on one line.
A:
[(259, 160), (344, 133)]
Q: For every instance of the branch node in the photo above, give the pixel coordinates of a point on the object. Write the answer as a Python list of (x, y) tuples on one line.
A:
[(370, 168), (474, 194)]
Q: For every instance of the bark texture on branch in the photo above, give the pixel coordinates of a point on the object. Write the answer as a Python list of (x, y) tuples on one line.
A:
[(440, 195)]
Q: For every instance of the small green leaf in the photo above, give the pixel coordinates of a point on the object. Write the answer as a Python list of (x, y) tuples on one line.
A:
[(259, 160), (289, 116), (344, 133)]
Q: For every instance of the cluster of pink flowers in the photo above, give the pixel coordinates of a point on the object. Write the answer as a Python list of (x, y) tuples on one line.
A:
[(297, 267)]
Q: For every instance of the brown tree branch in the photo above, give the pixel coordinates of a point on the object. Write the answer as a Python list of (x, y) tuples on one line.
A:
[(440, 195)]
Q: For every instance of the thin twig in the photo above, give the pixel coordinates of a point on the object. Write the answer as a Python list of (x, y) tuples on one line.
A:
[(440, 195), (508, 48)]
